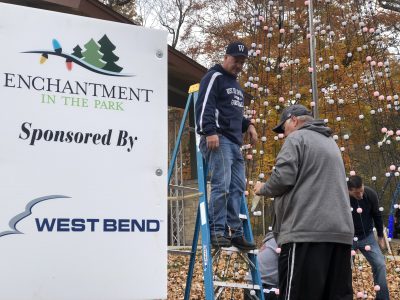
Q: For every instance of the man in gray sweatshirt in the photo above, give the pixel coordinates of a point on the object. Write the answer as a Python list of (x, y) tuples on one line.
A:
[(313, 223)]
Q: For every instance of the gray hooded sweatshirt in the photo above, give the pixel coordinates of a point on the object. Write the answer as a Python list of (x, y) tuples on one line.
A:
[(309, 186)]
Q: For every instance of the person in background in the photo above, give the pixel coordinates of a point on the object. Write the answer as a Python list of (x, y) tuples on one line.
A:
[(366, 215), (396, 229), (268, 265)]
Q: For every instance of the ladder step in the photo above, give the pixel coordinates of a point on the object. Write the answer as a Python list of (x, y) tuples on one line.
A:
[(247, 286), (180, 252), (237, 285), (235, 249)]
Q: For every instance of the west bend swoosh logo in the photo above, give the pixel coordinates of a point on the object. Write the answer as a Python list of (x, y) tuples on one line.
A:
[(28, 211)]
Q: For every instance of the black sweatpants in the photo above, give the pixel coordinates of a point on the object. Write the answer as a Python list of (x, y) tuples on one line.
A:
[(315, 271)]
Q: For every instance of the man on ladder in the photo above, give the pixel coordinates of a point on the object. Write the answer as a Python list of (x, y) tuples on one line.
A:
[(221, 124)]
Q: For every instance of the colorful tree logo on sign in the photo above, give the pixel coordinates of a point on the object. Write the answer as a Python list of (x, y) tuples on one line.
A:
[(98, 57)]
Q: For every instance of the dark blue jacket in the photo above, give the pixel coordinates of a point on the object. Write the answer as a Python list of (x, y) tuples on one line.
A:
[(219, 107)]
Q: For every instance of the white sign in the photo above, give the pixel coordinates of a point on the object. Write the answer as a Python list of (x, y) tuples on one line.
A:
[(83, 131)]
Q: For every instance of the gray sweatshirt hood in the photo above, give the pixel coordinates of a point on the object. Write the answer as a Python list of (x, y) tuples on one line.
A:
[(317, 126)]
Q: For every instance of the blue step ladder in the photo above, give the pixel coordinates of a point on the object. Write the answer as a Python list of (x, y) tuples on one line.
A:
[(213, 288)]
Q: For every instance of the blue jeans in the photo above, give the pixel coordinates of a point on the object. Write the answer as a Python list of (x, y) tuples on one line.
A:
[(227, 177), (377, 262)]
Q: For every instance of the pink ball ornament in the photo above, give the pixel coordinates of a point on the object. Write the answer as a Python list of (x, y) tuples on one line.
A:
[(359, 210), (352, 173), (308, 35), (367, 248), (276, 291), (376, 94), (389, 98), (281, 135), (282, 30), (306, 2), (360, 294), (255, 86), (365, 29), (310, 69), (246, 193), (371, 30), (397, 132), (377, 288), (265, 28), (278, 250), (384, 130), (390, 132), (373, 63), (368, 58), (392, 167), (380, 64), (353, 252), (381, 97), (281, 99), (249, 156)]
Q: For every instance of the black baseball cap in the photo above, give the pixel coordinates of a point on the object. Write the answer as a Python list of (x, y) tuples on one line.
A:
[(237, 49), (293, 110)]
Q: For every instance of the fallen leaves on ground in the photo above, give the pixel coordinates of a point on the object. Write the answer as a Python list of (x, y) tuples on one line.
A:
[(232, 267)]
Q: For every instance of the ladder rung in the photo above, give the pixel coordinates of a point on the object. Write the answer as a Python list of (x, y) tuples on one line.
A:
[(242, 216), (180, 252), (237, 285), (246, 286), (181, 187), (235, 249)]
